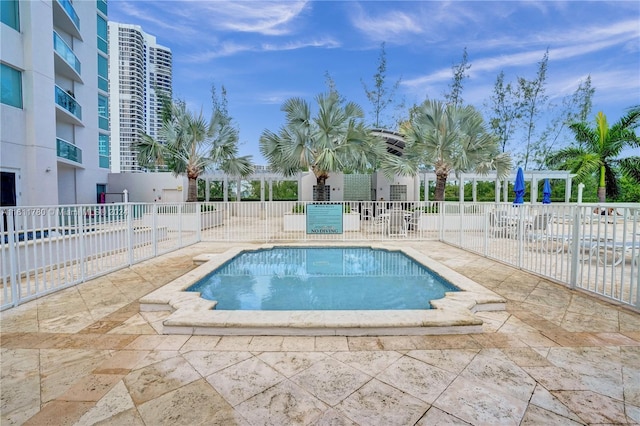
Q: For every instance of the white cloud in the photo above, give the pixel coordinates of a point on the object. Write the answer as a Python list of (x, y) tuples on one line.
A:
[(267, 18)]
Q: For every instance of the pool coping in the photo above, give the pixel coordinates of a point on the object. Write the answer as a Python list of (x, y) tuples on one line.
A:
[(192, 315)]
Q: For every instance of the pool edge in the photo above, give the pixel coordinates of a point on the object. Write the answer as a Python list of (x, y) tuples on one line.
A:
[(192, 315)]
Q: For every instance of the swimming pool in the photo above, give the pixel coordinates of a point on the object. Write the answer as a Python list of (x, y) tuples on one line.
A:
[(322, 278), (188, 313)]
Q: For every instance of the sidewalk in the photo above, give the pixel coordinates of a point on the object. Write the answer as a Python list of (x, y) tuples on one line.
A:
[(86, 355)]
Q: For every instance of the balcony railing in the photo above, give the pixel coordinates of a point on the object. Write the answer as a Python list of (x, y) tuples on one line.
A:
[(66, 52), (67, 102), (68, 7), (68, 151)]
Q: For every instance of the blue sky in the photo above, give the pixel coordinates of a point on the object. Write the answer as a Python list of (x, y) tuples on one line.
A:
[(266, 52)]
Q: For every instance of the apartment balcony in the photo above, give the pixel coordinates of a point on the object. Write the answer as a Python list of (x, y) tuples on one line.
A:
[(67, 108), (65, 17), (68, 151), (66, 62)]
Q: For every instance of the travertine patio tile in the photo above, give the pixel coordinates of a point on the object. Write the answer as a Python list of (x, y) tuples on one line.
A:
[(594, 366), (101, 327), (535, 339), (21, 319), (157, 379), (592, 407), (192, 404), (65, 323), (234, 343), (526, 357), (266, 343), (146, 342), (397, 343), (477, 403), (364, 343), (436, 416), (539, 416), (377, 403), (154, 357), (450, 360), (496, 371), (19, 385), (369, 362), (331, 381), (333, 418), (172, 343), (123, 360), (208, 362), (499, 340), (332, 343), (91, 388), (61, 368), (59, 413), (134, 325), (446, 342), (543, 399), (586, 351), (574, 321), (298, 343), (282, 404), (410, 375), (291, 363), (200, 343), (243, 380)]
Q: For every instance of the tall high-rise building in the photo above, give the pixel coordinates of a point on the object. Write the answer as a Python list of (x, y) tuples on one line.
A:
[(54, 137), (139, 70)]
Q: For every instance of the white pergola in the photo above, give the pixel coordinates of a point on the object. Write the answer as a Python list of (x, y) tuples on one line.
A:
[(267, 177), (502, 186)]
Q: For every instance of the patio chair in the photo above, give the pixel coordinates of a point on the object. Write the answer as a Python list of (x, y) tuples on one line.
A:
[(397, 224), (540, 234), (499, 224), (615, 252), (414, 220), (378, 223)]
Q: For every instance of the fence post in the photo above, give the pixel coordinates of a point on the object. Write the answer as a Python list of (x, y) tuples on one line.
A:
[(441, 215), (131, 245), (154, 229), (575, 247), (13, 267), (199, 221), (81, 242), (180, 224)]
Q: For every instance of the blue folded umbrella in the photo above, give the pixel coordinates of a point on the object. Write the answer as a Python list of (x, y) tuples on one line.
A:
[(518, 187), (546, 192)]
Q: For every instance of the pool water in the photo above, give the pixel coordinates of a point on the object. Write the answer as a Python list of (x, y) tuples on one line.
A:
[(289, 278)]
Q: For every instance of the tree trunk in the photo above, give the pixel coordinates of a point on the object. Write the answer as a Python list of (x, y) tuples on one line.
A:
[(602, 194), (192, 192), (320, 185), (441, 181)]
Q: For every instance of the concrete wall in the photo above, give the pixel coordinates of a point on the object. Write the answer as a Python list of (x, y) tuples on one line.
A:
[(149, 187)]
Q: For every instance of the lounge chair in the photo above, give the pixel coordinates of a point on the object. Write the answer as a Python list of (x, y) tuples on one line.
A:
[(397, 224)]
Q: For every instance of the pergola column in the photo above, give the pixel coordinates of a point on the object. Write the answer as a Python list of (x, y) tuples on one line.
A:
[(225, 189), (534, 190), (207, 186), (567, 192)]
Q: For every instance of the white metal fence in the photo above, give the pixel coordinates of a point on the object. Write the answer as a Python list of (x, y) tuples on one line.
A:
[(45, 249)]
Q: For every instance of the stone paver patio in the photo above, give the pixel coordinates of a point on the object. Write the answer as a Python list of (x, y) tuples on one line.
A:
[(86, 355)]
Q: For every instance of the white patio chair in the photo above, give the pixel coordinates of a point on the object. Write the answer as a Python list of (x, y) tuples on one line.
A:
[(397, 224)]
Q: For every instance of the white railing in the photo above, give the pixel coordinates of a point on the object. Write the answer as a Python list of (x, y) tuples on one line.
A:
[(45, 249)]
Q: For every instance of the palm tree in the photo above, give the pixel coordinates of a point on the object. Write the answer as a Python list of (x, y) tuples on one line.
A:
[(598, 149), (194, 146), (336, 139), (448, 138)]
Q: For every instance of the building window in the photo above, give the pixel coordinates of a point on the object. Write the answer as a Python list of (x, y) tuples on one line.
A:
[(9, 14), (102, 35), (103, 73), (11, 86), (103, 112), (103, 151)]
